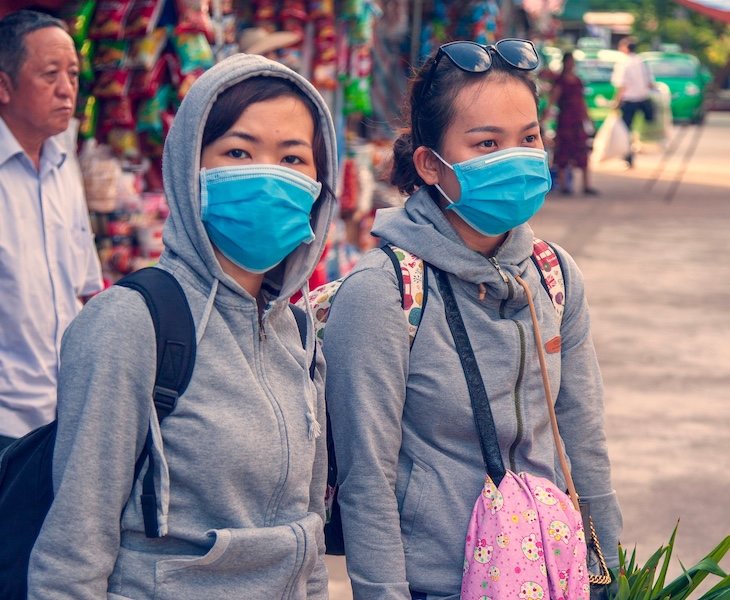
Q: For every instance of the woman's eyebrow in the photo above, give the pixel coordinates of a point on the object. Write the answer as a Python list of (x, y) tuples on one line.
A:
[(255, 140), (241, 135), (495, 129)]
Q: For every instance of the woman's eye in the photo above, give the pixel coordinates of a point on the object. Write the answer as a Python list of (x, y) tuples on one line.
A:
[(488, 144), (292, 160), (237, 153), (531, 139)]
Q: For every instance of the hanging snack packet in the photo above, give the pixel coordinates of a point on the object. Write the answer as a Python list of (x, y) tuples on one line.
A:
[(146, 51), (111, 54), (124, 142), (109, 20), (78, 18), (145, 84), (112, 84), (194, 17), (87, 113), (194, 52), (149, 113), (86, 54), (116, 113), (143, 17)]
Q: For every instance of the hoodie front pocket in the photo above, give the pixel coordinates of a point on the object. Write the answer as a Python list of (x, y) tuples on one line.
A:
[(412, 502), (263, 562)]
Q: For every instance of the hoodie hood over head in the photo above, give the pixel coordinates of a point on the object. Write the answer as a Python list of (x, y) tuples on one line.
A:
[(184, 233)]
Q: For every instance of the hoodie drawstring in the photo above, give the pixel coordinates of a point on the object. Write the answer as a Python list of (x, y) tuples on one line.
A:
[(208, 309)]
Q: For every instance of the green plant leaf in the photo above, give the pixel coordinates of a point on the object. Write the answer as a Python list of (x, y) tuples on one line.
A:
[(692, 577), (721, 591), (663, 572), (624, 590)]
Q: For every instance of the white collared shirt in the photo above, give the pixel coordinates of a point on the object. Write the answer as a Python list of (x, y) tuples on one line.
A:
[(634, 77), (47, 261)]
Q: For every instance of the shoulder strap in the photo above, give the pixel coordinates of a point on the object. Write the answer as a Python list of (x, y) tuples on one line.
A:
[(412, 276), (548, 264), (301, 318), (175, 332), (477, 392), (176, 346)]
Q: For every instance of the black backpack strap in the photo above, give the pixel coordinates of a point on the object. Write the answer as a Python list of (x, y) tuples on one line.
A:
[(301, 318), (175, 334), (396, 265), (477, 392)]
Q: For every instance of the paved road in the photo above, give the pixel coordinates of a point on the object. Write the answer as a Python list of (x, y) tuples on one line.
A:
[(657, 268)]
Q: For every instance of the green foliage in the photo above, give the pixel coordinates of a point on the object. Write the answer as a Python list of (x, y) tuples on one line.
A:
[(636, 582), (666, 21)]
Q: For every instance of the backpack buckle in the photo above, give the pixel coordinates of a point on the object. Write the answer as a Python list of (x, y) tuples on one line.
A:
[(165, 399)]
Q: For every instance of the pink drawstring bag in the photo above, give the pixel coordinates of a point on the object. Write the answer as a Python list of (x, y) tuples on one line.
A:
[(525, 539)]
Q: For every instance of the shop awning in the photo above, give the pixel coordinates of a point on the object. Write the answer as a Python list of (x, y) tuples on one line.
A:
[(715, 9)]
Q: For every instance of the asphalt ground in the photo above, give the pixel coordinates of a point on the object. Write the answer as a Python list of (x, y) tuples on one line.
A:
[(654, 248)]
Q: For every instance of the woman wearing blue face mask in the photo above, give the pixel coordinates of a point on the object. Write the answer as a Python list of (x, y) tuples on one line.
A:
[(240, 462), (408, 453)]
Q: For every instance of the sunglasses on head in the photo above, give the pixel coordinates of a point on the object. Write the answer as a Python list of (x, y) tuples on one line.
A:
[(477, 58)]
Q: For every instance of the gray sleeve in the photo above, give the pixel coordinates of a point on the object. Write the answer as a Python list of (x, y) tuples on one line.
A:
[(580, 413), (317, 584), (367, 349), (104, 404)]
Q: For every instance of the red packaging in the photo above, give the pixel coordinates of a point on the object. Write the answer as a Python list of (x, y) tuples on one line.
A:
[(143, 17), (109, 19)]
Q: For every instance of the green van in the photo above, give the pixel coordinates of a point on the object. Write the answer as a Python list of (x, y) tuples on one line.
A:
[(687, 80)]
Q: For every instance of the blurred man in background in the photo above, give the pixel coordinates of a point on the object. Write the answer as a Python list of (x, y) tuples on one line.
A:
[(47, 256), (633, 82)]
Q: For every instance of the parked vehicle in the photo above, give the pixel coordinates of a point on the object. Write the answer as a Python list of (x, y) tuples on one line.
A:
[(687, 80)]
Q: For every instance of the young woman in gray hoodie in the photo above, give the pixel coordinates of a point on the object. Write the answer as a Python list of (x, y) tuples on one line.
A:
[(408, 454), (249, 167)]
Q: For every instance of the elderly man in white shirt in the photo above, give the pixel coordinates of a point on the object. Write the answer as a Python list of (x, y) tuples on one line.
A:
[(48, 261), (633, 82)]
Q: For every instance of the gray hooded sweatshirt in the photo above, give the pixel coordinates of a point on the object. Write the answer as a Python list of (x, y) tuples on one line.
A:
[(409, 462), (241, 477)]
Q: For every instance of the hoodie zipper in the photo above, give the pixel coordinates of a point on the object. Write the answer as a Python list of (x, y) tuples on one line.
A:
[(520, 371), (518, 398), (272, 508)]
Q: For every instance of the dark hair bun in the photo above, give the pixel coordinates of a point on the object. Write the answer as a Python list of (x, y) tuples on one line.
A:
[(404, 175)]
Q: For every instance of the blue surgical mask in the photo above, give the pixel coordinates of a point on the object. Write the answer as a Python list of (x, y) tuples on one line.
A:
[(501, 190), (256, 215)]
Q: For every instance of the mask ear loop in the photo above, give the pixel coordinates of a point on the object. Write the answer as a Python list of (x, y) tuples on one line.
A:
[(436, 185)]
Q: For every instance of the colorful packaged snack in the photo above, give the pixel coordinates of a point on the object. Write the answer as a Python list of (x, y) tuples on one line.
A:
[(78, 18), (116, 113), (194, 52), (87, 112), (149, 112), (124, 142), (146, 83), (111, 54), (112, 84), (146, 51), (109, 19), (143, 17), (86, 54), (194, 17)]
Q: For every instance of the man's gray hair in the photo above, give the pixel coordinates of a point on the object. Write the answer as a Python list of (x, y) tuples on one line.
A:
[(13, 30)]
